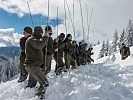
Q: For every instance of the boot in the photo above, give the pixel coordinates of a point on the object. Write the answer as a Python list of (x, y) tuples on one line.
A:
[(59, 71), (30, 85), (22, 78), (41, 91)]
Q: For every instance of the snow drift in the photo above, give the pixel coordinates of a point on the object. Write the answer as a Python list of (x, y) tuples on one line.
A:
[(102, 80)]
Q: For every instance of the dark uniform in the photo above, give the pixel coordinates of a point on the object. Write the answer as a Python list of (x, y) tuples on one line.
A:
[(124, 51), (47, 52), (34, 56), (76, 52), (58, 55), (23, 72), (70, 58), (88, 54), (82, 50)]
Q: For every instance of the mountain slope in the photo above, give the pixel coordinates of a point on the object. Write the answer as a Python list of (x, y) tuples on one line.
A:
[(102, 80), (11, 51)]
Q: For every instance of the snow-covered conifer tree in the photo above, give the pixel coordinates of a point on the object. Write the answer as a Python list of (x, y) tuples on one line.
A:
[(102, 51), (115, 42)]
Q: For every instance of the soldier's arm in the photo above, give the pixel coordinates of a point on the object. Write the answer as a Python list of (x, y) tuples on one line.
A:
[(92, 53), (61, 47), (50, 44), (69, 47), (22, 44), (39, 43), (66, 47), (128, 51), (120, 51)]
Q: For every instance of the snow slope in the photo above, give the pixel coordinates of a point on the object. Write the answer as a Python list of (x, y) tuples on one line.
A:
[(9, 38), (102, 80)]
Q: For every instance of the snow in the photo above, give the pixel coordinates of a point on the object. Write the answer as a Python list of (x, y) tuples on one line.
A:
[(102, 80)]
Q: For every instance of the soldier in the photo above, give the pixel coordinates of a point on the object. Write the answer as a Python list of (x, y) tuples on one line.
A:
[(82, 49), (124, 51), (88, 54), (48, 51), (34, 57), (76, 52), (23, 73), (58, 53), (69, 53)]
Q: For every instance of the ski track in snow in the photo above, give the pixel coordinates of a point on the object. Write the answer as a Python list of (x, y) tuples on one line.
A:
[(102, 80)]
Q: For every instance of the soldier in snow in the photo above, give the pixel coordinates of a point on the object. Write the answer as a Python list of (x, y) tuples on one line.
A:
[(48, 51), (58, 53), (34, 58), (69, 55), (124, 51), (27, 31)]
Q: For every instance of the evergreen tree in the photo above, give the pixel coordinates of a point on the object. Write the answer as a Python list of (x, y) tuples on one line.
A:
[(115, 42), (122, 37), (8, 68), (98, 42), (102, 51), (129, 34), (107, 48)]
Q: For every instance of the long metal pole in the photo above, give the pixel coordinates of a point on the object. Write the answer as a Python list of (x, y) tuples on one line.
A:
[(90, 22), (70, 18), (74, 19), (30, 14), (82, 19), (65, 16)]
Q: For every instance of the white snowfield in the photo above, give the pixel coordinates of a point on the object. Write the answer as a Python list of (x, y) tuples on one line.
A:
[(102, 80)]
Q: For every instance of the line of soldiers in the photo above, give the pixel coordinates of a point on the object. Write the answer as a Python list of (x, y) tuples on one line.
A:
[(37, 49)]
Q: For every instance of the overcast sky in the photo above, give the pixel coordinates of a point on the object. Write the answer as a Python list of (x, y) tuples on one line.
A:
[(107, 16)]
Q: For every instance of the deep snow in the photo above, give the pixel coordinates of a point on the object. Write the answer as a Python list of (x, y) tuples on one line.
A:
[(102, 80)]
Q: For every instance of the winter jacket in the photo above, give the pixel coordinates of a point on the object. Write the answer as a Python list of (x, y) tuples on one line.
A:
[(22, 47), (49, 47), (125, 51), (69, 48), (60, 46), (33, 50)]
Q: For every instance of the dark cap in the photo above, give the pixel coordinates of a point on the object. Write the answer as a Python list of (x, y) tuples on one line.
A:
[(74, 42), (68, 35), (91, 48), (48, 28), (28, 29), (62, 35), (38, 29), (123, 44), (80, 43)]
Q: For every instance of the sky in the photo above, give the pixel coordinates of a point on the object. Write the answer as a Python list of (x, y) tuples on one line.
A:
[(107, 16)]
